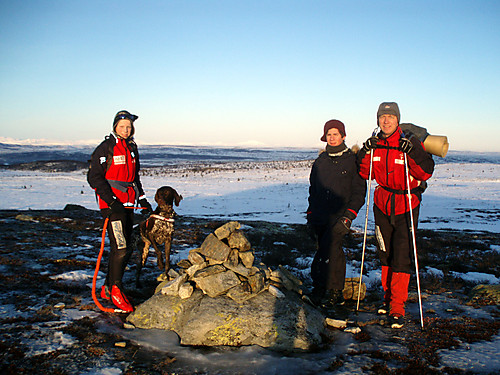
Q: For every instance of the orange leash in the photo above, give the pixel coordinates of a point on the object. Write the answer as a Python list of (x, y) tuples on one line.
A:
[(98, 265)]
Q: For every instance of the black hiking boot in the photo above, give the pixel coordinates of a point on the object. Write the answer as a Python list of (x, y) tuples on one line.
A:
[(396, 321), (333, 299), (383, 309)]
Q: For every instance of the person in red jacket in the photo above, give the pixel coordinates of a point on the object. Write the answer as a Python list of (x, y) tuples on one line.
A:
[(114, 175), (391, 204)]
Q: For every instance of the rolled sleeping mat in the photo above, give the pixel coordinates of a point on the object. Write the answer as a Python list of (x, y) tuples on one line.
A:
[(434, 144)]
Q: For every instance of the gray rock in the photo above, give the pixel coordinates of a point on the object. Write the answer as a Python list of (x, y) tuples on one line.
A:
[(281, 324), (195, 257), (171, 288), (247, 258), (237, 240), (225, 230), (215, 249), (186, 290), (217, 284)]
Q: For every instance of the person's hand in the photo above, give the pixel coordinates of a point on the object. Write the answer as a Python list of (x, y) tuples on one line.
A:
[(145, 206), (405, 145), (117, 207), (342, 226), (370, 143)]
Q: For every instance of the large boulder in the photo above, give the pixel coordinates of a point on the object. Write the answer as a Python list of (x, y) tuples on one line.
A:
[(283, 324)]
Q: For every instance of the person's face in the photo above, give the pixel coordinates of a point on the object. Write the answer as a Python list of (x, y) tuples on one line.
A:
[(124, 128), (333, 137), (388, 124)]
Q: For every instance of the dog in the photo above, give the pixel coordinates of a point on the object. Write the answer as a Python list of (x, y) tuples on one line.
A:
[(158, 229)]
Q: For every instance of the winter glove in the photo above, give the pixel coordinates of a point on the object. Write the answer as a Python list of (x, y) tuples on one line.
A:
[(117, 207), (370, 143), (342, 226), (146, 207), (405, 145)]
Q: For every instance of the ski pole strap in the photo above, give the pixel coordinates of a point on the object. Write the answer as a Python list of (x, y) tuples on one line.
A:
[(393, 198)]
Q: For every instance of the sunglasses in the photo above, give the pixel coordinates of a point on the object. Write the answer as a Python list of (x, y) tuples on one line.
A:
[(124, 116)]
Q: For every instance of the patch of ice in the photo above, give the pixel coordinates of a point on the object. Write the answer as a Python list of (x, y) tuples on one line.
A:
[(434, 271), (476, 277), (480, 357)]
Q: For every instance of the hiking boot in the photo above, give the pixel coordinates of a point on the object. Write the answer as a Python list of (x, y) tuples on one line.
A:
[(317, 295), (383, 309), (105, 294), (333, 298), (120, 300), (396, 321)]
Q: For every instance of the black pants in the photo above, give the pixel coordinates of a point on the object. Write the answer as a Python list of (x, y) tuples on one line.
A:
[(328, 266), (119, 234), (395, 243)]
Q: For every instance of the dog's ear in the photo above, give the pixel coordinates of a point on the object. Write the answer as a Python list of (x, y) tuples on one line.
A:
[(177, 198)]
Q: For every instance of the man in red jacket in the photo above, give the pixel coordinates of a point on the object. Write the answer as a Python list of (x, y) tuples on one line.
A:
[(114, 175), (391, 204)]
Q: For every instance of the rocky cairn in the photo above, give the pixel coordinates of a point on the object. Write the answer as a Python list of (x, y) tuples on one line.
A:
[(218, 296)]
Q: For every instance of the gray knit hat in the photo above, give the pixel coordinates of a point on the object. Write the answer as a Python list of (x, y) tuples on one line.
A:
[(388, 108)]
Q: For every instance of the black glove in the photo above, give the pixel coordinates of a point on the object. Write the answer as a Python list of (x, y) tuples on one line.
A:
[(144, 204), (117, 207), (370, 143), (342, 226), (405, 145)]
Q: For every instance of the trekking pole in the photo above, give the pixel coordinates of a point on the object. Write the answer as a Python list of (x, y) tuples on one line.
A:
[(413, 239), (366, 222)]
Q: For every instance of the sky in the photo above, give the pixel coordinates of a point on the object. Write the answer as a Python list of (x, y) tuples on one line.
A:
[(248, 73)]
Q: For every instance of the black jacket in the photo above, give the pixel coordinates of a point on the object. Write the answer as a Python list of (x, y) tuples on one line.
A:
[(336, 188)]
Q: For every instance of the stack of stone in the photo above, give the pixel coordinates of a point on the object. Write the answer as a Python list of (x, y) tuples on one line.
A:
[(224, 265)]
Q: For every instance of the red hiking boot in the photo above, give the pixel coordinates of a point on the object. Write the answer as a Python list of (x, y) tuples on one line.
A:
[(105, 294), (120, 300)]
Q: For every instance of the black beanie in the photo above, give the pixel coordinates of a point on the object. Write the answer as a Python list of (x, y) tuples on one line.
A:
[(125, 115)]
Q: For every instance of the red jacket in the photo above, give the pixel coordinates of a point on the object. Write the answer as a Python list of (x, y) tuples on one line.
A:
[(114, 172), (389, 172)]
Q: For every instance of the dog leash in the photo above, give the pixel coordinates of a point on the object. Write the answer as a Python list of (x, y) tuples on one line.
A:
[(98, 265)]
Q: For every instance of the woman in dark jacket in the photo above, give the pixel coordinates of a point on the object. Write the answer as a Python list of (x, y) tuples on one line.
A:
[(336, 194), (114, 175)]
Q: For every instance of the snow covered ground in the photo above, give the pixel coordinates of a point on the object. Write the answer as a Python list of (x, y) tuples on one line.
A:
[(464, 196), (459, 196)]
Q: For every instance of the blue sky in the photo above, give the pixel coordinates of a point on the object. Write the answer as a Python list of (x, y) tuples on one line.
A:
[(267, 73)]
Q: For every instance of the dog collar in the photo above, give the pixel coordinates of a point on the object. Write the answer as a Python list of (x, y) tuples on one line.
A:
[(162, 218)]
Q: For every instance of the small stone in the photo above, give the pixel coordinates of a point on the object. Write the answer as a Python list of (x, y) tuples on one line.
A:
[(184, 263), (128, 326), (215, 249), (225, 230), (276, 292), (60, 305), (336, 323), (237, 240), (247, 258), (195, 257), (353, 330), (186, 290), (121, 344)]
